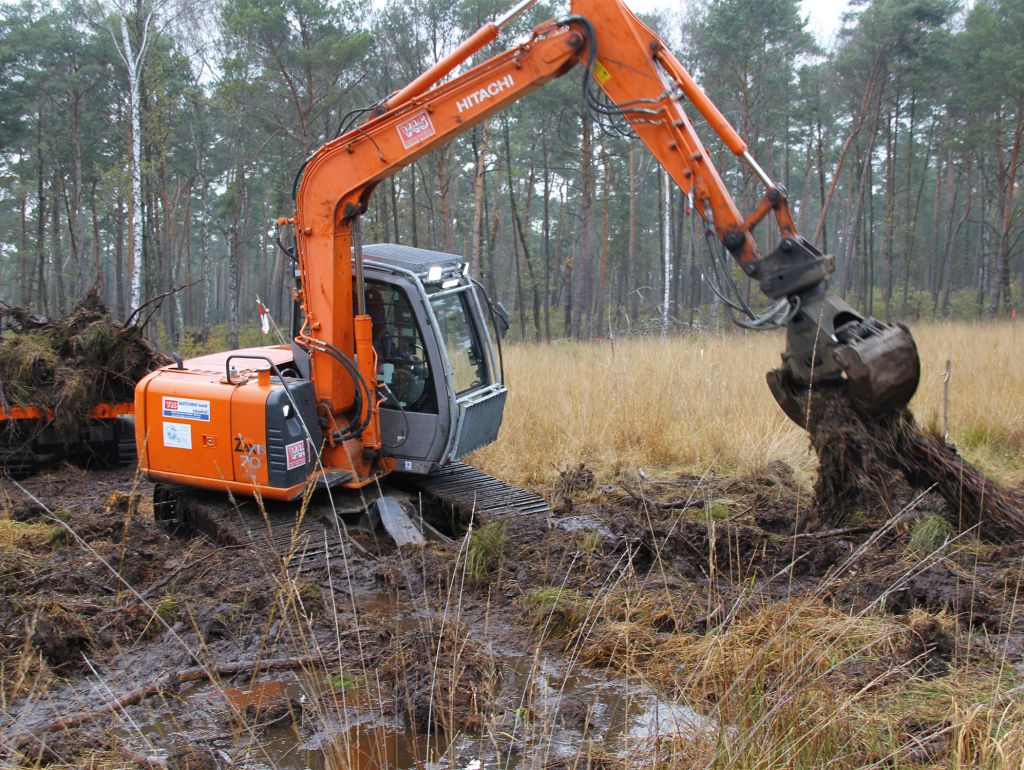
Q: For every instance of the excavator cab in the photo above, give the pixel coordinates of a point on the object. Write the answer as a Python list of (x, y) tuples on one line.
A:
[(248, 421), (438, 346)]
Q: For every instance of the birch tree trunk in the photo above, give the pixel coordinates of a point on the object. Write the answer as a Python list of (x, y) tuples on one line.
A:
[(133, 63)]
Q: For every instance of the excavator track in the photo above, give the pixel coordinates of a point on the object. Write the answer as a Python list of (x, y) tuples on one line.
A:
[(306, 544), (26, 444), (472, 492), (325, 534)]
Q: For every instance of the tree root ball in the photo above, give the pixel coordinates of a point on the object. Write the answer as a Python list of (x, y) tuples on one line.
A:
[(861, 462), (71, 364)]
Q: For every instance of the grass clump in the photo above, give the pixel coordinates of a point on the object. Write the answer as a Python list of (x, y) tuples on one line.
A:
[(556, 612), (773, 647), (591, 543), (716, 510), (623, 645), (344, 681), (488, 551), (929, 534), (167, 608), (30, 536), (310, 598)]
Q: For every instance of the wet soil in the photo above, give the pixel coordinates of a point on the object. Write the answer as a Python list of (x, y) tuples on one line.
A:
[(391, 657)]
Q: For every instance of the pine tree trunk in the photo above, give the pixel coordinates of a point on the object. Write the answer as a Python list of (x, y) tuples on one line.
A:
[(1001, 289), (97, 266), (56, 263), (547, 240), (480, 153), (41, 214), (891, 139), (631, 266), (599, 314), (24, 273)]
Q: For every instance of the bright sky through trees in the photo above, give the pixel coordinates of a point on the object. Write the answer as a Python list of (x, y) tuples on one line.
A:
[(824, 15)]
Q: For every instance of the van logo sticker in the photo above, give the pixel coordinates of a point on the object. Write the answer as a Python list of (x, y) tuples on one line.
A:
[(415, 129), (186, 408), (295, 454)]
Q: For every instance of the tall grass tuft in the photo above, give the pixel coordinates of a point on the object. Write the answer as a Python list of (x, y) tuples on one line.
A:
[(488, 550), (929, 534)]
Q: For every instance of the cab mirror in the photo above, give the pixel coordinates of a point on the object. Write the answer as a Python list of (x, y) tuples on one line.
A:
[(501, 320)]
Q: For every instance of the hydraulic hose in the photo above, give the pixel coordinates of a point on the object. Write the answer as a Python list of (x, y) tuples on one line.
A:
[(363, 393)]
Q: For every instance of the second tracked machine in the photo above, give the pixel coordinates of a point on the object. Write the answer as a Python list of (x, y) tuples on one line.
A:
[(395, 368)]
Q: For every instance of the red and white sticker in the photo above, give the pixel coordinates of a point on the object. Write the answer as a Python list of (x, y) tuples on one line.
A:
[(295, 454), (185, 408), (415, 129)]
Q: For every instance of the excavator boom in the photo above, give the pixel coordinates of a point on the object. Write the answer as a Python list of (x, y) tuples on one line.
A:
[(827, 340)]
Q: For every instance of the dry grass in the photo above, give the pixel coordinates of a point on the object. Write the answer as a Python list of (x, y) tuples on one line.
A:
[(690, 403), (799, 684), (28, 536)]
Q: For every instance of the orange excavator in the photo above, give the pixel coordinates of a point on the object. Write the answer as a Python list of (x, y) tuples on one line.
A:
[(395, 366)]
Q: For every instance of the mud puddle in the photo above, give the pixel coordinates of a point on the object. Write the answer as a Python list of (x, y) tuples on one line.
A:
[(543, 713)]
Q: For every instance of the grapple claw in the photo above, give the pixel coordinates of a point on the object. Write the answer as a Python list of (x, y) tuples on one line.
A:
[(882, 371), (791, 398)]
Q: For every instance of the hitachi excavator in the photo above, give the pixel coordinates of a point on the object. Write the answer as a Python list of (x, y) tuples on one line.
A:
[(395, 368)]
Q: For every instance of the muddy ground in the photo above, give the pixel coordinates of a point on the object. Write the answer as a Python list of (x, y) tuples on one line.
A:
[(639, 616)]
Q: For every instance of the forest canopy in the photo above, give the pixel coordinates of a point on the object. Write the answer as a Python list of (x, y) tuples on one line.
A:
[(150, 144)]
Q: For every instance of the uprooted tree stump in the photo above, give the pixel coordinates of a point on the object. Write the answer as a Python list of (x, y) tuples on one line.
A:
[(861, 462), (71, 364)]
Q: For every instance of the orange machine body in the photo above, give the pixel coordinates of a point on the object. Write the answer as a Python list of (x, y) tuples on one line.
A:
[(30, 435), (223, 422), (98, 412)]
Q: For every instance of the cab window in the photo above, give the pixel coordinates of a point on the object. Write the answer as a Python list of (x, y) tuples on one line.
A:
[(401, 355)]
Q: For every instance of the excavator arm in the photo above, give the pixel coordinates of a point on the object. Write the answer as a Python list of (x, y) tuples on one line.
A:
[(827, 340), (647, 87)]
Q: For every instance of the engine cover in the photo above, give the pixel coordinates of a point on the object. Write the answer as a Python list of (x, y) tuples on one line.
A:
[(249, 433)]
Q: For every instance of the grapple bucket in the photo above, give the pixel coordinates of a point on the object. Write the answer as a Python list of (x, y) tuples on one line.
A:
[(882, 371)]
